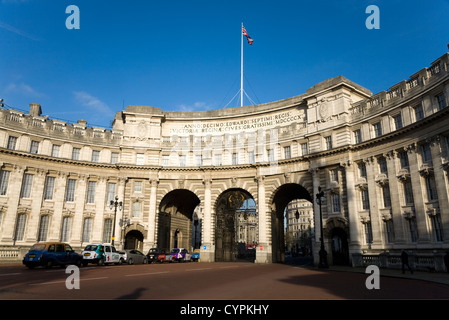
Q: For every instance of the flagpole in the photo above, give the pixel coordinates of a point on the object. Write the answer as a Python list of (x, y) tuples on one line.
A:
[(241, 72)]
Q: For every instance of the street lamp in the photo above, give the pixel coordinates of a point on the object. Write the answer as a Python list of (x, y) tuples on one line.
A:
[(115, 204), (323, 254)]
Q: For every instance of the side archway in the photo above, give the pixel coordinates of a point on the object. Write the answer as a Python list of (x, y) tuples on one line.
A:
[(281, 198), (175, 219)]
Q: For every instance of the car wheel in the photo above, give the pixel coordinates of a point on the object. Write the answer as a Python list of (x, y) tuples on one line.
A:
[(48, 264), (85, 264), (130, 261), (100, 262), (145, 261)]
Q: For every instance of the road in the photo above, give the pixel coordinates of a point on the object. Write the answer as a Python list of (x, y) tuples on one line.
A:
[(205, 281)]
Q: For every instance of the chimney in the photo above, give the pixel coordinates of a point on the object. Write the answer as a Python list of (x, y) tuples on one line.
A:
[(35, 109)]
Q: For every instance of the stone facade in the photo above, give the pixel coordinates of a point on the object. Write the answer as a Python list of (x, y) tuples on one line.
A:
[(382, 161)]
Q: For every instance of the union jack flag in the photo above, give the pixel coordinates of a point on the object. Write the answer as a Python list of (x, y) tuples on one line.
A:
[(250, 40)]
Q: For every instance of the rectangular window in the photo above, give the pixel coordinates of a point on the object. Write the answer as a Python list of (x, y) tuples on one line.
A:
[(383, 166), (137, 186), (87, 229), (287, 152), (426, 155), (165, 159), (413, 228), (408, 192), (397, 121), (136, 209), (70, 192), (251, 158), (403, 159), (34, 147), (304, 149), (389, 231), (419, 113), (107, 231), (270, 155), (55, 150), (235, 160), (43, 228), (20, 227), (49, 188), (358, 136), (437, 227), (91, 192), (334, 175), (386, 196), (4, 179), (111, 192), (377, 129), (199, 160), (65, 229), (441, 101), (368, 233), (140, 159), (114, 157), (182, 160), (431, 188), (365, 199), (76, 153), (26, 185), (328, 142), (217, 158), (12, 141), (362, 169), (336, 203), (95, 156)]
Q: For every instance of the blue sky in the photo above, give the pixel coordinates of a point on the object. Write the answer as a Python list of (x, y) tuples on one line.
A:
[(185, 55)]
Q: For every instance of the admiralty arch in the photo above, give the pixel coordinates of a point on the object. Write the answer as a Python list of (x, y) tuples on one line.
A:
[(381, 161)]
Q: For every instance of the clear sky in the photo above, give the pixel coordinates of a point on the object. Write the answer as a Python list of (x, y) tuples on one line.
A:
[(185, 55)]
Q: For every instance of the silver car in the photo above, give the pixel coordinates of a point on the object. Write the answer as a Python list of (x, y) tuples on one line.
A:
[(134, 256)]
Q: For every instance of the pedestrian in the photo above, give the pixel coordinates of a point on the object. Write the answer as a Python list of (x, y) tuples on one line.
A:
[(404, 260)]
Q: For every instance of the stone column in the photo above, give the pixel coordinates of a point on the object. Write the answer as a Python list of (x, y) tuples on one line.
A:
[(374, 198), (264, 249), (58, 204), (207, 253), (151, 241)]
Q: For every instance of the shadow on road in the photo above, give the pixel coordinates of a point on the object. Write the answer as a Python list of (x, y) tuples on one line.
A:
[(136, 294)]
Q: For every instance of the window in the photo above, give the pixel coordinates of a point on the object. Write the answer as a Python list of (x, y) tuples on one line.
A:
[(199, 160), (334, 175), (437, 227), (4, 179), (111, 192), (65, 229), (27, 182), (182, 160), (55, 150), (12, 141), (95, 156), (20, 227), (70, 192), (362, 169), (408, 192), (403, 159), (235, 160), (165, 159), (365, 199), (368, 233), (304, 149), (217, 158), (397, 121), (336, 203), (358, 136), (426, 155), (107, 231), (49, 187), (270, 155), (91, 191), (328, 142), (287, 152), (431, 188), (383, 165), (34, 147), (389, 231), (377, 129), (413, 229), (87, 229), (43, 228), (114, 157), (136, 209), (386, 196), (137, 186), (140, 159), (76, 153), (419, 113), (441, 101), (251, 158)]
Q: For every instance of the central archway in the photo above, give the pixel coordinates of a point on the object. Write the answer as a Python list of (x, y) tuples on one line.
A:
[(236, 227), (282, 197), (175, 219)]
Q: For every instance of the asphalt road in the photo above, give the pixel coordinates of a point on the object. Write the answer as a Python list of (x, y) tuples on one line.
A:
[(207, 281)]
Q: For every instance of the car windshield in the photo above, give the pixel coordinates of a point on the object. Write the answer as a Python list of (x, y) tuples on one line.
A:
[(38, 247), (174, 250), (91, 247)]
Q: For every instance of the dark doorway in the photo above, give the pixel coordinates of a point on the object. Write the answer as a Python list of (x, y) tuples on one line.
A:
[(134, 240), (340, 248)]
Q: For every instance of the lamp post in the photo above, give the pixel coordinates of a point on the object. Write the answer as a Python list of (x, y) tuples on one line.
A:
[(115, 204), (323, 254)]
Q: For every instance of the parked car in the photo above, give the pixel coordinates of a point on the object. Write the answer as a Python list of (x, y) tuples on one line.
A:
[(158, 255), (134, 257), (196, 255), (48, 254), (101, 254), (180, 255)]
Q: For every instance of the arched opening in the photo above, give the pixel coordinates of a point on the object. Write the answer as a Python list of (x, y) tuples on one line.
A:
[(282, 214), (134, 240), (337, 230), (236, 227), (175, 219)]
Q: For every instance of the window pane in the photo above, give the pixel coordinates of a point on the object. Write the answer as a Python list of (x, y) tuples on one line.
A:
[(26, 185), (4, 179), (91, 191), (49, 187)]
